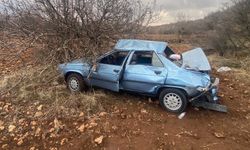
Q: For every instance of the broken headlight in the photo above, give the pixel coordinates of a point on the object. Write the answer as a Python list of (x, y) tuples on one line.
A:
[(201, 89)]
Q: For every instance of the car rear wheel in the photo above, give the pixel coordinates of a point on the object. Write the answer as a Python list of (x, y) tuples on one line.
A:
[(75, 83), (173, 100)]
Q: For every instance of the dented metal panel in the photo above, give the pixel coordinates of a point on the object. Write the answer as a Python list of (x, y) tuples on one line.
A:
[(106, 76), (142, 78), (142, 45)]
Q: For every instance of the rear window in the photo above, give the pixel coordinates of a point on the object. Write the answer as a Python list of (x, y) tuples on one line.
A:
[(148, 58)]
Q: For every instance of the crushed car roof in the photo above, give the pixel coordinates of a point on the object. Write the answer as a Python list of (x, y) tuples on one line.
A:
[(140, 45)]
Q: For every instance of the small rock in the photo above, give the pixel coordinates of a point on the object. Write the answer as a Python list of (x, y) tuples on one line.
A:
[(245, 92), (33, 148), (1, 122), (33, 123), (219, 135), (81, 114), (25, 135), (21, 120), (102, 114), (20, 142), (144, 111), (123, 116), (196, 108), (6, 108), (222, 95), (52, 135), (55, 83), (38, 131), (38, 114), (92, 124), (40, 107), (224, 69), (63, 141), (4, 146), (1, 128), (173, 143), (81, 128), (4, 138), (51, 130), (11, 128), (57, 125), (114, 127), (99, 140), (150, 100), (247, 116)]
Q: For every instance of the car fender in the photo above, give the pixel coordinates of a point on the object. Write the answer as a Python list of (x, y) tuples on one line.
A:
[(188, 91), (83, 74)]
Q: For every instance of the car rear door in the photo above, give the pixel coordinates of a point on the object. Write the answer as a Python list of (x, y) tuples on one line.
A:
[(109, 70), (144, 72)]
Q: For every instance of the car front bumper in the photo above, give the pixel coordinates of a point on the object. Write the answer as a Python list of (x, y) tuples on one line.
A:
[(212, 99), (211, 92)]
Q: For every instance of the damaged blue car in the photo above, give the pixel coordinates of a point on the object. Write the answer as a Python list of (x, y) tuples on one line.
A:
[(149, 68)]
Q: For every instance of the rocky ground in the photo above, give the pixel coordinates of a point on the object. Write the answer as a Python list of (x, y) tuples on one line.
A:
[(126, 121)]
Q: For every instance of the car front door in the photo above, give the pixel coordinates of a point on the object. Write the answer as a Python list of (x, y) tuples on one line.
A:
[(109, 70), (144, 72)]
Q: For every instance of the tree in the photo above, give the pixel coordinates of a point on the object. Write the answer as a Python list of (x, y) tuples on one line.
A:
[(73, 28), (233, 28)]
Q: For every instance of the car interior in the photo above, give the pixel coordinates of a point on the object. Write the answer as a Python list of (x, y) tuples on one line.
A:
[(115, 58), (142, 58)]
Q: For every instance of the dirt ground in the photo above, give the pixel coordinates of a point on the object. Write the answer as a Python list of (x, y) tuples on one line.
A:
[(129, 121)]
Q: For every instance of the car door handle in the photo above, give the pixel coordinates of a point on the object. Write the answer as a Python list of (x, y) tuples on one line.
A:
[(116, 71), (157, 72)]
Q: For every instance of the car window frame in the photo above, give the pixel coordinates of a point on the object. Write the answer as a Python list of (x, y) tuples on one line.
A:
[(153, 52), (110, 53)]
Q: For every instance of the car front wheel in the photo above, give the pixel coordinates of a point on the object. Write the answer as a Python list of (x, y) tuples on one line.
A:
[(173, 100), (75, 83)]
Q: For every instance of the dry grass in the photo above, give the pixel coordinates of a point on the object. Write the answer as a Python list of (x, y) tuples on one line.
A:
[(236, 63), (240, 68), (40, 86)]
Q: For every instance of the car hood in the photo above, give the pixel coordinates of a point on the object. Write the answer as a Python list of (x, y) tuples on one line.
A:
[(195, 60), (79, 61)]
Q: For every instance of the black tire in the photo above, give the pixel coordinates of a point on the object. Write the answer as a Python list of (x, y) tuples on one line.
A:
[(75, 83), (173, 100)]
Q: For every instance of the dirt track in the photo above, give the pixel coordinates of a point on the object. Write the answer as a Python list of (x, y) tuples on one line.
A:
[(139, 124)]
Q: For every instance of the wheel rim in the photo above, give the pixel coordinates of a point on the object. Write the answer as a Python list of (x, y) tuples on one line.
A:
[(172, 101), (74, 84)]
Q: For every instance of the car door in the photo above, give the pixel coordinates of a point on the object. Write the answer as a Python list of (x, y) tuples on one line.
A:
[(109, 70), (144, 72)]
